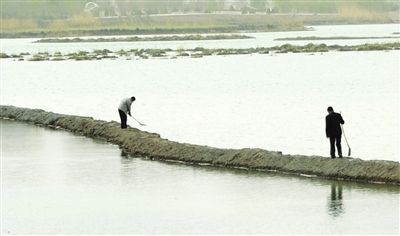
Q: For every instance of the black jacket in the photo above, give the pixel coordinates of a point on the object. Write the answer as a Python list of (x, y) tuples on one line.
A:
[(332, 126)]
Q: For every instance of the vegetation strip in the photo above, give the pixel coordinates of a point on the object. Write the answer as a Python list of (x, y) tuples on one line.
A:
[(139, 39), (139, 143), (196, 52), (333, 38)]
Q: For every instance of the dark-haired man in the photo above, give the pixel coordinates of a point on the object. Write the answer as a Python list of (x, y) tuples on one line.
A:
[(334, 131), (124, 109)]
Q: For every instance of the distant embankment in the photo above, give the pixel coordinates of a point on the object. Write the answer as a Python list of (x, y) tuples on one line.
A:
[(139, 143)]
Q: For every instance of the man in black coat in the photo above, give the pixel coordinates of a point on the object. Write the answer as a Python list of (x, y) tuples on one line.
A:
[(334, 131)]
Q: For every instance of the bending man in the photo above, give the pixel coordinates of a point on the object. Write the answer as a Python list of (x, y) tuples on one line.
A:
[(124, 109), (334, 131)]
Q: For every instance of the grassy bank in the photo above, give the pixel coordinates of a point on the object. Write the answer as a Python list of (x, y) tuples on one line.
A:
[(83, 25), (141, 39), (142, 25), (138, 143), (197, 52)]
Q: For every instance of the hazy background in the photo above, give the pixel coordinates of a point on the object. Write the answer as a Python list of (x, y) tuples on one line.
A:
[(79, 14)]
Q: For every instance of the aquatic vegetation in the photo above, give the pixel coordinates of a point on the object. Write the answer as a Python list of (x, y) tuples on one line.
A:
[(103, 52), (315, 48), (183, 54), (82, 56), (156, 52), (4, 55), (374, 47), (199, 52), (38, 57)]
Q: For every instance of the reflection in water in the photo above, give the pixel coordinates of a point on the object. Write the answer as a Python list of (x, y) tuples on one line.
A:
[(335, 205), (87, 188)]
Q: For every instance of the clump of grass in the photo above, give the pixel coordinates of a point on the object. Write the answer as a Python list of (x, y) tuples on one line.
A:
[(374, 47), (156, 52), (4, 55), (183, 54), (38, 57), (16, 56)]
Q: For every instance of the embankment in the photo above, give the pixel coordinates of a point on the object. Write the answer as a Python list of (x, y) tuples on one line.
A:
[(139, 143)]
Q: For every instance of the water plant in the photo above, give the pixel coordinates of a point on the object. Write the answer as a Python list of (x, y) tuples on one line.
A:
[(199, 52), (4, 55)]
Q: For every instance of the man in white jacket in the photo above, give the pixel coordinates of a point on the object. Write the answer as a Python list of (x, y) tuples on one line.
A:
[(124, 109)]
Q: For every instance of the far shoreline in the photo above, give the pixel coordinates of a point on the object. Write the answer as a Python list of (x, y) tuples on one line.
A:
[(194, 24)]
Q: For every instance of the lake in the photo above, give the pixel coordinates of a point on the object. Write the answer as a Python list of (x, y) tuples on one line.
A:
[(54, 182)]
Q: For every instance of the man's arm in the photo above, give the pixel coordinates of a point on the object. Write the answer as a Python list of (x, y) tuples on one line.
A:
[(128, 104), (341, 119), (326, 126)]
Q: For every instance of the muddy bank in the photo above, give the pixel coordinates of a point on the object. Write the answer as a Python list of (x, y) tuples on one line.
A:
[(139, 143)]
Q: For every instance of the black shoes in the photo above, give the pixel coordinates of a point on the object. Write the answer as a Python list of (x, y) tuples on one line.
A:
[(333, 157)]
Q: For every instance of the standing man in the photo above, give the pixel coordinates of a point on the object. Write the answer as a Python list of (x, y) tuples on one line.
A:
[(124, 109), (334, 131)]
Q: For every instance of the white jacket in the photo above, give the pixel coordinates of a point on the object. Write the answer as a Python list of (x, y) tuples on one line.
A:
[(125, 105)]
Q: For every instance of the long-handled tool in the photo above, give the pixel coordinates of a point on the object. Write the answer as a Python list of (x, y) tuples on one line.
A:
[(345, 138), (137, 121)]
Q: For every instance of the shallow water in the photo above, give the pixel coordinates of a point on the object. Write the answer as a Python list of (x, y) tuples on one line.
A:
[(57, 182), (265, 39)]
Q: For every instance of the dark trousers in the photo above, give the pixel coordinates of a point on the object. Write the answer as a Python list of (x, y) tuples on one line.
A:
[(336, 139), (123, 117)]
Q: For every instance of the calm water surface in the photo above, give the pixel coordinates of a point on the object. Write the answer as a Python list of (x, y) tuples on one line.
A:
[(275, 102), (54, 182)]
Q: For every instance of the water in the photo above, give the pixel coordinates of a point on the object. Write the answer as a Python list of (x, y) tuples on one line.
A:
[(275, 102), (54, 182), (266, 39)]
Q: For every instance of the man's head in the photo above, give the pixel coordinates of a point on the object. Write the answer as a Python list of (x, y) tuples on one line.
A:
[(133, 98), (330, 110)]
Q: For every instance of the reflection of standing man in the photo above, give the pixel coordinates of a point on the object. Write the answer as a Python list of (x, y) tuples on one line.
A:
[(333, 131), (124, 109), (335, 203)]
